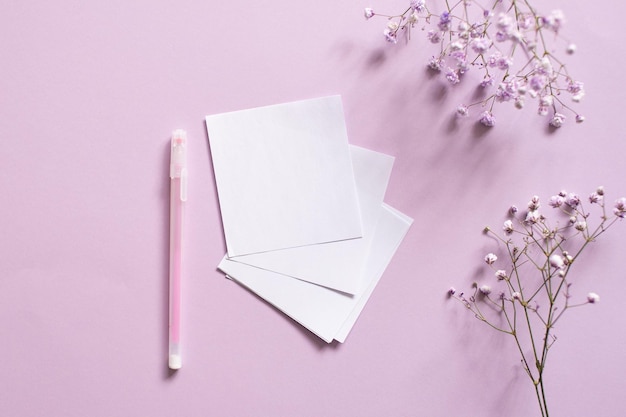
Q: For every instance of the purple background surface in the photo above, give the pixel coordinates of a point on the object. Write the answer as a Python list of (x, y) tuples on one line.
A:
[(89, 93)]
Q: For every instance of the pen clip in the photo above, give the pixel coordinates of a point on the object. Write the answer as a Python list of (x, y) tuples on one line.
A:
[(183, 184)]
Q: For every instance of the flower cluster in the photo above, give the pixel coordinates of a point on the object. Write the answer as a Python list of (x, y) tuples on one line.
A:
[(528, 294), (507, 42)]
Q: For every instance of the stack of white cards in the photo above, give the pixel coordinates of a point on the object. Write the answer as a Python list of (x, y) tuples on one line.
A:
[(304, 220)]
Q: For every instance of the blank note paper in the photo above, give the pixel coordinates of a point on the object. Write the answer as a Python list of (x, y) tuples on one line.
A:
[(304, 220)]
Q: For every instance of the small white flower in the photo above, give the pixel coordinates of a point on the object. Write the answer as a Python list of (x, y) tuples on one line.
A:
[(571, 48), (485, 289), (490, 258), (508, 227), (452, 291), (581, 226), (556, 201), (532, 217), (533, 204), (501, 274), (392, 25), (516, 296), (556, 261), (593, 298), (369, 12)]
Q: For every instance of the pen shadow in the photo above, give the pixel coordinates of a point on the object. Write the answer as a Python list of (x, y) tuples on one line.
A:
[(310, 336)]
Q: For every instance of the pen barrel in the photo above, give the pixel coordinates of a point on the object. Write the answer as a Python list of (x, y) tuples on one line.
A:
[(177, 209)]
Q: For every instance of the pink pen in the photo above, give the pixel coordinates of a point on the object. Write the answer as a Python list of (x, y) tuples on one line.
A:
[(178, 197)]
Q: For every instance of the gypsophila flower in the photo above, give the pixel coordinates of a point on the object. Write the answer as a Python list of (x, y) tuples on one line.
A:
[(444, 22), (573, 200), (580, 226), (593, 298), (507, 42), (391, 35), (557, 120), (452, 291), (452, 76), (487, 119), (580, 118), (534, 203), (508, 227), (490, 258), (595, 197), (418, 5), (532, 217), (485, 289), (540, 258), (462, 111), (620, 208), (556, 261), (513, 210), (556, 201)]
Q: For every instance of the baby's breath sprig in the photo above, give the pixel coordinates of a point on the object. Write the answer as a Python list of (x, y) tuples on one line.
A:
[(510, 42), (532, 291)]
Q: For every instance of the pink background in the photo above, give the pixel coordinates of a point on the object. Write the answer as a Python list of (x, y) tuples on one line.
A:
[(89, 93)]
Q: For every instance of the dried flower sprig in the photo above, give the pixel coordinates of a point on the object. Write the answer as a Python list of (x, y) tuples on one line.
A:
[(510, 42), (528, 299)]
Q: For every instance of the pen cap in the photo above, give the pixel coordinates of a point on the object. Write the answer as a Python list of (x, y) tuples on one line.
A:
[(178, 161)]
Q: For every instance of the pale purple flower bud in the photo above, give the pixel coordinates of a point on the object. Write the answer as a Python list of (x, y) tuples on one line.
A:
[(580, 118), (444, 22), (532, 217), (516, 296), (485, 289), (369, 13), (488, 119), (504, 63), (390, 35), (462, 111), (593, 298), (600, 190), (435, 64), (452, 291), (418, 5), (501, 274), (546, 101), (567, 258), (563, 193), (481, 45), (580, 226), (537, 82), (571, 48), (513, 210), (490, 258), (620, 208), (595, 197), (556, 261), (556, 201), (452, 76), (487, 81), (504, 22), (573, 200), (557, 120), (433, 36), (542, 111), (534, 203), (508, 227), (573, 219)]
